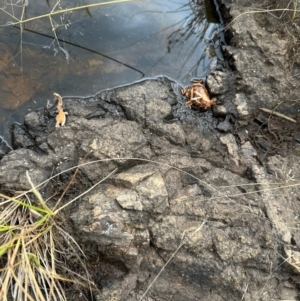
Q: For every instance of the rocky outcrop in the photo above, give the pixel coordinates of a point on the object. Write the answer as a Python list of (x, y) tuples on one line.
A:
[(260, 53), (178, 188)]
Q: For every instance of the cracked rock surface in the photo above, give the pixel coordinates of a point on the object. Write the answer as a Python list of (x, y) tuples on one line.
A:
[(170, 175)]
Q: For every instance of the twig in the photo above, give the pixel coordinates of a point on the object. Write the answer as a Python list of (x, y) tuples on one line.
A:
[(278, 114), (258, 11), (52, 13)]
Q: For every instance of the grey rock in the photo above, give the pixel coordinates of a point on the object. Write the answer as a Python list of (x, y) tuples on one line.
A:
[(148, 190), (242, 104), (172, 132), (19, 162), (219, 111), (260, 59), (167, 176), (118, 289), (4, 148), (248, 150), (220, 82), (235, 245), (33, 120), (225, 125), (231, 145), (21, 138), (143, 103)]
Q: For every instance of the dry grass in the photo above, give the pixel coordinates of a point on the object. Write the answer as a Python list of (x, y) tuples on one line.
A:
[(33, 247), (32, 250)]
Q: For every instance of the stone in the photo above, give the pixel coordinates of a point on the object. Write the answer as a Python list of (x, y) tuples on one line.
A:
[(167, 186)]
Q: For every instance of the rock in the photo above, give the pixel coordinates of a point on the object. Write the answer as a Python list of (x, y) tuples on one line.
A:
[(220, 82), (235, 245), (241, 103), (168, 187), (117, 289), (225, 125), (4, 148), (232, 147), (172, 132), (20, 161), (104, 224), (279, 167), (260, 57), (149, 190), (219, 111), (182, 196), (248, 150), (142, 104), (21, 138)]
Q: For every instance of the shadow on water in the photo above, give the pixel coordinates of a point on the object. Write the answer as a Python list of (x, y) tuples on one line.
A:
[(81, 52)]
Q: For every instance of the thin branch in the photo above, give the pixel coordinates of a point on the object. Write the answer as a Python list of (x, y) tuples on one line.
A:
[(53, 13), (278, 114)]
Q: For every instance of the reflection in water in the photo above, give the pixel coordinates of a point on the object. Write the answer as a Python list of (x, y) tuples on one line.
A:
[(99, 48), (201, 35)]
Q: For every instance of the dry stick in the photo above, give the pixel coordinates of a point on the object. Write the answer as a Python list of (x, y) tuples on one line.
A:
[(67, 237), (278, 114), (21, 36), (18, 281), (143, 160), (26, 284), (52, 13), (151, 161), (12, 8), (295, 9), (258, 11), (54, 7), (15, 199), (245, 290), (53, 28), (162, 269)]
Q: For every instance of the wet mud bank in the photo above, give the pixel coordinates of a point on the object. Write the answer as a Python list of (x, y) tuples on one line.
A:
[(171, 169)]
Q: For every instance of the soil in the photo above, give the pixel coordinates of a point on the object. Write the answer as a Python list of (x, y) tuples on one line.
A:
[(222, 184)]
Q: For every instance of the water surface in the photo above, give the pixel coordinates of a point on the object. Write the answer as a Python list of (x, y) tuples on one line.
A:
[(99, 48)]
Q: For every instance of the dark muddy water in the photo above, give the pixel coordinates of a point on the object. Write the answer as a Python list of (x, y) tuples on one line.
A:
[(99, 48)]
